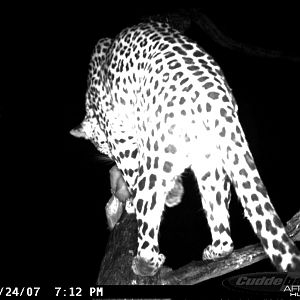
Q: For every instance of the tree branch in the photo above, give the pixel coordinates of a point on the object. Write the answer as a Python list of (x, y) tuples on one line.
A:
[(196, 272), (116, 265)]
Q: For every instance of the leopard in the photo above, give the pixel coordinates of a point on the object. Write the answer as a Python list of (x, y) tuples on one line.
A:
[(157, 104)]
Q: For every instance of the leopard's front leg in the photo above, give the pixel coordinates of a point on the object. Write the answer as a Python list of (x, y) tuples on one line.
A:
[(148, 209), (149, 201)]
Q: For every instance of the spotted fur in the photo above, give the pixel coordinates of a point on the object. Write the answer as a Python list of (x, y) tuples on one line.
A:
[(157, 104)]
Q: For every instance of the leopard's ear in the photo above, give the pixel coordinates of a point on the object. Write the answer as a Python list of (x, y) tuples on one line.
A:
[(81, 131)]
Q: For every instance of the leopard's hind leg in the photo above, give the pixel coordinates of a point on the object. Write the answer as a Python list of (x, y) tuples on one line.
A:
[(214, 186)]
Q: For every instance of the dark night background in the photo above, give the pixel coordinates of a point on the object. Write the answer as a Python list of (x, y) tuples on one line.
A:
[(54, 187)]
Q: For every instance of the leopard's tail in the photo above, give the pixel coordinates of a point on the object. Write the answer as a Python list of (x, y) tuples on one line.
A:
[(257, 205)]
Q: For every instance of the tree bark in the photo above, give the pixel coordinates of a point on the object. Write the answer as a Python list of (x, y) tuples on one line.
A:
[(122, 246)]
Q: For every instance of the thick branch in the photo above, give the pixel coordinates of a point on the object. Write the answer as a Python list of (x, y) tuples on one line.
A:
[(116, 265), (196, 272), (121, 248)]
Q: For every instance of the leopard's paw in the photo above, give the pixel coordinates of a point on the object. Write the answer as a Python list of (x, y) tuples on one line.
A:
[(212, 252), (143, 267)]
